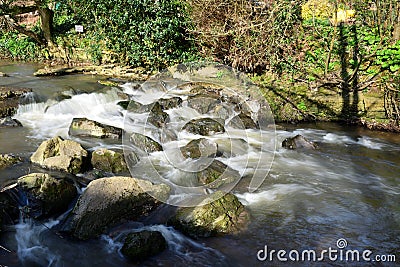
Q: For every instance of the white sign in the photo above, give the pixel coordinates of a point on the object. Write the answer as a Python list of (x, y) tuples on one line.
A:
[(78, 28)]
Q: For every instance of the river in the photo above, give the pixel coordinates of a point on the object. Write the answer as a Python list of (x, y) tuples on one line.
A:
[(348, 190)]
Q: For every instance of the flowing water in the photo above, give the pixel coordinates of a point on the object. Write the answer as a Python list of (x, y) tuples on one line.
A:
[(348, 188)]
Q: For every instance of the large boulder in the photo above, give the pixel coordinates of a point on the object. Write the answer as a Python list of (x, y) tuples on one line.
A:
[(9, 122), (145, 143), (10, 99), (85, 127), (46, 194), (204, 126), (109, 161), (298, 142), (225, 215), (141, 245), (60, 154), (199, 148), (7, 160), (217, 174), (107, 201)]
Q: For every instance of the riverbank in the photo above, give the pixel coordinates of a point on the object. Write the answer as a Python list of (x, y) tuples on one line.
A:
[(290, 102)]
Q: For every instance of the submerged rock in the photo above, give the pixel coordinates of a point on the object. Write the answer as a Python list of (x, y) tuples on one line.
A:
[(85, 127), (225, 215), (298, 142), (49, 194), (9, 122), (109, 161), (107, 201), (199, 148), (141, 245), (217, 174), (145, 143), (204, 126), (60, 154), (7, 160)]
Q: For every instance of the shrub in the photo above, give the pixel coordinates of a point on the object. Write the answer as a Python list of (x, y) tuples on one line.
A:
[(144, 33)]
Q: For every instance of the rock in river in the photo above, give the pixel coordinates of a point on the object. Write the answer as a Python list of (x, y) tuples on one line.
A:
[(204, 126), (225, 215), (9, 100), (7, 160), (50, 194), (217, 174), (145, 143), (60, 154), (109, 161), (199, 148), (144, 244), (9, 122), (85, 127), (298, 142), (107, 201)]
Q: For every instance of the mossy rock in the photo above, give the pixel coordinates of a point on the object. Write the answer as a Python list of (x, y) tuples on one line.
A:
[(142, 245), (157, 116), (169, 103), (145, 143), (199, 148), (224, 215), (298, 142), (203, 103), (107, 201), (54, 195), (217, 174), (133, 106), (243, 121), (7, 160), (65, 155), (204, 126), (85, 127), (109, 161)]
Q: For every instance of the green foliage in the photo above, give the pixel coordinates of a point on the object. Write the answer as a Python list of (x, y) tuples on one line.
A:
[(389, 57), (17, 47), (146, 33)]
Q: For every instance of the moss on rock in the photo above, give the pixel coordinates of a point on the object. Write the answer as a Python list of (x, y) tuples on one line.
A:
[(53, 194), (109, 161), (141, 245), (225, 215)]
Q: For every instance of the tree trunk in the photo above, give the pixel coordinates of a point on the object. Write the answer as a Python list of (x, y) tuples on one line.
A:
[(46, 20), (46, 17)]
